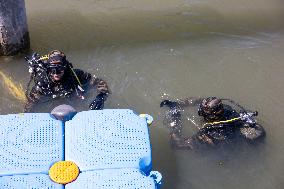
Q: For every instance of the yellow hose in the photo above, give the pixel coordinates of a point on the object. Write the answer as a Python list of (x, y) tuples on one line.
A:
[(226, 121), (16, 90)]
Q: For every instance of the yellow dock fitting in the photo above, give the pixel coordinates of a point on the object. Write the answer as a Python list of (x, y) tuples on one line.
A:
[(63, 172), (149, 119)]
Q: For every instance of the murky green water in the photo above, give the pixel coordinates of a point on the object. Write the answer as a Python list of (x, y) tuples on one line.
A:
[(148, 50)]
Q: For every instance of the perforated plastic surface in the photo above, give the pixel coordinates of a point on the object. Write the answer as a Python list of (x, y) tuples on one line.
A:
[(108, 139), (112, 179), (29, 143), (110, 147), (36, 181)]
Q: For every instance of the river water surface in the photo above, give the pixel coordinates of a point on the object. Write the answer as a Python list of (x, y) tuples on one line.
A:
[(149, 50)]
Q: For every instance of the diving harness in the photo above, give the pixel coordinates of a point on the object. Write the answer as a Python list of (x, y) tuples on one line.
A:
[(244, 115)]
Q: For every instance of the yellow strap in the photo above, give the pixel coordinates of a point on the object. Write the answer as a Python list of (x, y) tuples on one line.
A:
[(226, 121), (76, 77)]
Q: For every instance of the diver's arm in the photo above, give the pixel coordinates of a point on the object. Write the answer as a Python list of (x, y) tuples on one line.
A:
[(85, 77), (32, 98), (191, 101), (175, 126), (102, 94), (100, 86), (80, 77), (98, 103)]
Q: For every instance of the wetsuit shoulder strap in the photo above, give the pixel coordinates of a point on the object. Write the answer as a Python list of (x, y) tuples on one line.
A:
[(76, 76)]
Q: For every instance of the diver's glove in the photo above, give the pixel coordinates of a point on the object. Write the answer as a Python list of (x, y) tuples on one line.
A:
[(102, 87), (168, 103), (98, 103)]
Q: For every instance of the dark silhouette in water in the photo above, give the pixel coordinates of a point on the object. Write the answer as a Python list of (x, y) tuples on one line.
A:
[(223, 123), (54, 77)]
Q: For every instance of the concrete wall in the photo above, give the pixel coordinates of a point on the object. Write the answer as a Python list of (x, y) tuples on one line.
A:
[(14, 36)]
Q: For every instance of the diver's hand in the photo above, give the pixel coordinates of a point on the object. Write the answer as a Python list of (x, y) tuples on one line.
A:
[(102, 87), (98, 103), (168, 103)]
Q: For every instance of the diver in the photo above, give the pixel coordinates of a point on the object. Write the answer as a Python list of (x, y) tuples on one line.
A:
[(53, 76), (222, 123)]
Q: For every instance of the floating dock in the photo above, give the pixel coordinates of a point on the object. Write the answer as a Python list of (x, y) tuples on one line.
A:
[(104, 149)]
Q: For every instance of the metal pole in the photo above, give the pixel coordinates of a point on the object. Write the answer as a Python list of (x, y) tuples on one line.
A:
[(14, 35)]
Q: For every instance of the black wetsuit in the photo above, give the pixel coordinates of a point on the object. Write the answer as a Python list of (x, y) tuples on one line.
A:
[(210, 134), (67, 85)]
